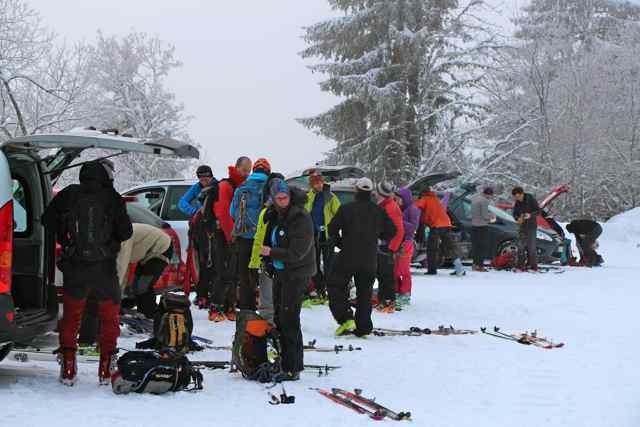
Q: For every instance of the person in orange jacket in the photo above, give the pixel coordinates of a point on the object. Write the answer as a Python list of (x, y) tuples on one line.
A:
[(387, 251), (435, 216), (226, 262)]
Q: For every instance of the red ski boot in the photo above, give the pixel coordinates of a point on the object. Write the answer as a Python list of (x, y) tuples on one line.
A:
[(68, 366), (106, 368)]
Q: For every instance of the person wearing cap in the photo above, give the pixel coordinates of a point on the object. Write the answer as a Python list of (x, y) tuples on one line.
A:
[(284, 247), (525, 211), (323, 205), (410, 221), (248, 201), (356, 229), (480, 219), (389, 249), (189, 203), (435, 216)]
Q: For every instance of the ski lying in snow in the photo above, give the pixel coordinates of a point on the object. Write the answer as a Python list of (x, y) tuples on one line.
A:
[(416, 332), (524, 338), (357, 397), (225, 365), (348, 403), (48, 355), (311, 346)]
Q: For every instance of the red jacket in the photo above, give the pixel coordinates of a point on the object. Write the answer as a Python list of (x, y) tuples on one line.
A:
[(226, 188), (434, 215), (395, 213)]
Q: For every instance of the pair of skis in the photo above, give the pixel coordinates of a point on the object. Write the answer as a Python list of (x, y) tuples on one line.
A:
[(362, 405), (417, 332), (524, 338), (311, 346)]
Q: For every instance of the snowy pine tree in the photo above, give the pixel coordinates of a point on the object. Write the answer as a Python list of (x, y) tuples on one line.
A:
[(403, 69)]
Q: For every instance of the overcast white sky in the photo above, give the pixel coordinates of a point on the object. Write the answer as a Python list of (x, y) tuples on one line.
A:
[(242, 79)]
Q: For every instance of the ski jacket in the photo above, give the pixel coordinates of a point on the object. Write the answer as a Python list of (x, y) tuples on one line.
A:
[(528, 205), (295, 239), (410, 214), (393, 210), (584, 227), (331, 205), (252, 191), (221, 207), (434, 215), (356, 229), (480, 216), (146, 242), (189, 203)]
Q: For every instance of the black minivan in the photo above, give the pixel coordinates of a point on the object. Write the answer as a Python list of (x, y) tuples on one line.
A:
[(29, 166)]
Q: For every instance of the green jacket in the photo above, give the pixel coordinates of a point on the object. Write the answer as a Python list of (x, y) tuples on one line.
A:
[(258, 241), (331, 206)]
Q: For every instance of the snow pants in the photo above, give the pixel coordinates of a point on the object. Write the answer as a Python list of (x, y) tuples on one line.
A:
[(226, 279), (339, 304), (527, 248), (288, 294), (206, 263), (479, 240), (386, 277), (324, 259), (403, 268), (439, 244), (248, 277)]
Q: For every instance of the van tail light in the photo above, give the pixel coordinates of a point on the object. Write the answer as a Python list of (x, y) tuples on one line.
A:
[(6, 246)]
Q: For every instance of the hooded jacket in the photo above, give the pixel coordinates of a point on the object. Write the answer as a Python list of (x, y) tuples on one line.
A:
[(95, 180), (147, 242), (226, 188), (410, 214), (434, 215), (295, 245), (331, 205), (356, 229)]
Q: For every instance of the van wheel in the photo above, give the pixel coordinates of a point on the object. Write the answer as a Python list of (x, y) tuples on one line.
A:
[(508, 248), (4, 351)]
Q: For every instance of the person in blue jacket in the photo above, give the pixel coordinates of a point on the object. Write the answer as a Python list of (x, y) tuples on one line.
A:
[(189, 203), (245, 209)]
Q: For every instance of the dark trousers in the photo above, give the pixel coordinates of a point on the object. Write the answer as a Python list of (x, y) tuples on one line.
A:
[(338, 289), (386, 277), (288, 294), (585, 243), (206, 264), (324, 258), (527, 249), (439, 244), (248, 277), (226, 281), (479, 240)]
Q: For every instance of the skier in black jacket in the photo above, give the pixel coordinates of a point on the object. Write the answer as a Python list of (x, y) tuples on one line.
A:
[(525, 211), (89, 221), (587, 233), (356, 229), (289, 246)]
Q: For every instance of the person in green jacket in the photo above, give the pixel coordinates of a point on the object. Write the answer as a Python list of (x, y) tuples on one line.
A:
[(323, 205)]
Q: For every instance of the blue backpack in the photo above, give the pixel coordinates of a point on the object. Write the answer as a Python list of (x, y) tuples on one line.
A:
[(250, 200)]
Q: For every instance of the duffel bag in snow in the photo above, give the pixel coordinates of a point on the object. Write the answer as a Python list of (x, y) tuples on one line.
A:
[(504, 262), (155, 373), (252, 343)]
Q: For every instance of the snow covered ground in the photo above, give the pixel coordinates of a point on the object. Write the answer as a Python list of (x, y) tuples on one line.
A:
[(444, 381)]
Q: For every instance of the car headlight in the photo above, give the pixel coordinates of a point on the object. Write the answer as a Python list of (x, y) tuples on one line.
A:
[(543, 236)]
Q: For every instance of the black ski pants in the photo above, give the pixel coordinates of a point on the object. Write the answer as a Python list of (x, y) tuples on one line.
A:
[(479, 243), (324, 259), (386, 277), (586, 243), (439, 245), (338, 289), (288, 294), (226, 281), (206, 264), (248, 277), (527, 248)]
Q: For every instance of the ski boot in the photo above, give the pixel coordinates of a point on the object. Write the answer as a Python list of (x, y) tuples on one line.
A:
[(202, 303), (68, 366), (388, 307), (346, 328), (106, 368), (231, 315), (216, 314)]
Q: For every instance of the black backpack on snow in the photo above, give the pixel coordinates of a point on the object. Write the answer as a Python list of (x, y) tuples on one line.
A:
[(88, 230), (172, 323), (155, 373)]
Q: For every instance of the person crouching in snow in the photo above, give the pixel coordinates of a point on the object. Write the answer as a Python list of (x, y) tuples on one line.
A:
[(435, 216), (90, 221), (388, 250), (289, 245), (410, 220), (587, 233)]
